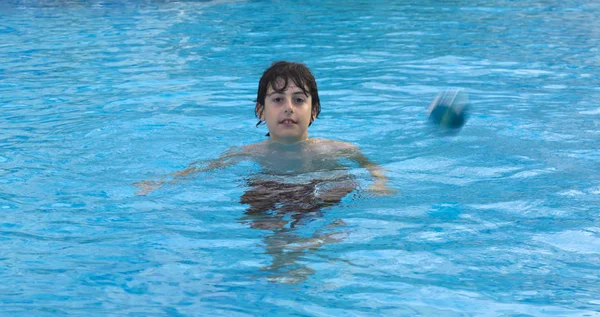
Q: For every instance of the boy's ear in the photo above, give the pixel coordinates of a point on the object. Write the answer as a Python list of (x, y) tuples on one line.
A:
[(259, 111), (313, 115)]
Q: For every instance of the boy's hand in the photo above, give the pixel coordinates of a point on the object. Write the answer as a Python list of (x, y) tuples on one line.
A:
[(146, 187), (380, 189)]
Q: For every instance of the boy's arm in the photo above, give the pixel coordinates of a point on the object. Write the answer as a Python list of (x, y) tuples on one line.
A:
[(226, 159), (378, 174)]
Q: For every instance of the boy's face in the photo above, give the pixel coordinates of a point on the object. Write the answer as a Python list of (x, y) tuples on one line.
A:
[(287, 113)]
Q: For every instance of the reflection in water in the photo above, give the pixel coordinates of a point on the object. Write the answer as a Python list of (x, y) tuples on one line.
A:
[(283, 207)]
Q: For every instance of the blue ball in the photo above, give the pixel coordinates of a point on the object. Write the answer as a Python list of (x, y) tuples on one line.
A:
[(449, 110)]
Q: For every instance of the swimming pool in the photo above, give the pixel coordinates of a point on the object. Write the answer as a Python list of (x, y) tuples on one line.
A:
[(499, 219)]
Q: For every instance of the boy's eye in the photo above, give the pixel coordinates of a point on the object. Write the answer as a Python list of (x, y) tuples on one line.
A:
[(299, 100), (277, 99)]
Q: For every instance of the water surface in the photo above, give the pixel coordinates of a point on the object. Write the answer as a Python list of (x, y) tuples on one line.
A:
[(499, 219)]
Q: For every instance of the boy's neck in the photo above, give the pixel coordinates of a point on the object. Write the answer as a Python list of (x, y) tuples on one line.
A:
[(293, 145), (290, 141)]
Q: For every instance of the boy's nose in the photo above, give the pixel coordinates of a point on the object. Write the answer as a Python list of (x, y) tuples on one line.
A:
[(288, 105)]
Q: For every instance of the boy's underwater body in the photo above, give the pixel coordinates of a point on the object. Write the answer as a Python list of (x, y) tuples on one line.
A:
[(299, 175)]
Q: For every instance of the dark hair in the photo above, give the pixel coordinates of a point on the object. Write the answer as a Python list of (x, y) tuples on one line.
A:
[(298, 73)]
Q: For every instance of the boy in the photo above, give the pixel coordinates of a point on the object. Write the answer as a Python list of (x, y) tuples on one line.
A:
[(288, 102)]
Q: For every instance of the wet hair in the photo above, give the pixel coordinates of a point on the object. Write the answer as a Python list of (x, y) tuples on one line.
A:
[(298, 73)]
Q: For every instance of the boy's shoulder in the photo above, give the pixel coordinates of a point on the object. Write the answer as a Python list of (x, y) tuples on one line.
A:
[(334, 149), (334, 144), (248, 149)]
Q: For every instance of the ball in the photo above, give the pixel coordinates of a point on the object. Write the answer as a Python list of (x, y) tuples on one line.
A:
[(449, 110)]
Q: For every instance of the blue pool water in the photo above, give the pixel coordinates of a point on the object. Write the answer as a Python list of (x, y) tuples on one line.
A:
[(501, 219)]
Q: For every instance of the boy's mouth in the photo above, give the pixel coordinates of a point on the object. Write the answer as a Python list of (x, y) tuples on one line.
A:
[(287, 121)]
